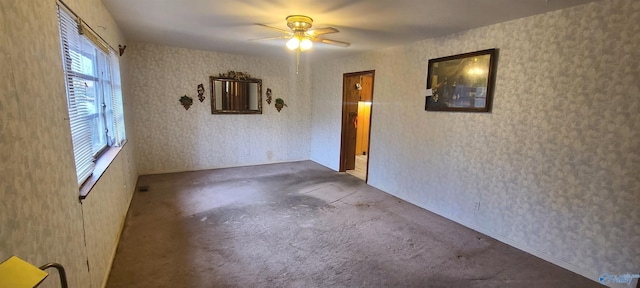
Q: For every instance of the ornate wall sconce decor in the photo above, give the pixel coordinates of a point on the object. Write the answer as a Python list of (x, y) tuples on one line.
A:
[(186, 101), (280, 104), (268, 95), (201, 92)]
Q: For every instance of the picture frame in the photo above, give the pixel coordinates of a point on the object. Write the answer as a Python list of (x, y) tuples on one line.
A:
[(462, 83)]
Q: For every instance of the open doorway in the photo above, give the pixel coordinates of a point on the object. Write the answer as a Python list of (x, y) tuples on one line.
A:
[(357, 99)]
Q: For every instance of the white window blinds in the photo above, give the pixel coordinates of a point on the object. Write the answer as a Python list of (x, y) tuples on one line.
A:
[(118, 135), (94, 94), (76, 89)]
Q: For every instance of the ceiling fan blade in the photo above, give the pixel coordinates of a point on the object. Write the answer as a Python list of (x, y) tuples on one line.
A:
[(321, 31), (333, 42), (274, 28), (271, 38)]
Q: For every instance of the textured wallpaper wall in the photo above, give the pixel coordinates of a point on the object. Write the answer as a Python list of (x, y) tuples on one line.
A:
[(555, 166), (170, 138), (104, 213), (40, 216)]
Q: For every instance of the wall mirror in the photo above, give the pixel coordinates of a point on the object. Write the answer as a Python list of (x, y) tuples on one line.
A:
[(236, 93)]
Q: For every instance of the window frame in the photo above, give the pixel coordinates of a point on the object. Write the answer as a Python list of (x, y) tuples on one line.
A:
[(105, 120), (100, 102)]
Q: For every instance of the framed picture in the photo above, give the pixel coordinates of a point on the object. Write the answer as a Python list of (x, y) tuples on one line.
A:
[(462, 82)]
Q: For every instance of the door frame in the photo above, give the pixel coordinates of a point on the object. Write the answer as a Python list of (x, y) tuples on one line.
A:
[(343, 132)]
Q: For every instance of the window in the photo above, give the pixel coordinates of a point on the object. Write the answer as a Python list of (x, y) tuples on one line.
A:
[(94, 93)]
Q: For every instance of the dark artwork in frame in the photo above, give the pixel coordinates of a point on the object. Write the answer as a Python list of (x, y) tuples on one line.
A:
[(462, 83)]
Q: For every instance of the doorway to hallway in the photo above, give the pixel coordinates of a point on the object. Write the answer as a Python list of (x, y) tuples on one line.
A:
[(357, 99)]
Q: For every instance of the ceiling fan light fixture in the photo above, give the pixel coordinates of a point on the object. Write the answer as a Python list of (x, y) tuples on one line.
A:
[(299, 22), (293, 43), (301, 38), (306, 44), (299, 42)]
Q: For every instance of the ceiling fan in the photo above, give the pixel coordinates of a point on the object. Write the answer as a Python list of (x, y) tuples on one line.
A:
[(300, 37)]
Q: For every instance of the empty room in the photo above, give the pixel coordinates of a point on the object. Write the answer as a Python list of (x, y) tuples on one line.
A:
[(346, 143)]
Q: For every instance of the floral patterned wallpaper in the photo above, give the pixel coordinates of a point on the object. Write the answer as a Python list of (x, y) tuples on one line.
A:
[(41, 218), (554, 169), (170, 138)]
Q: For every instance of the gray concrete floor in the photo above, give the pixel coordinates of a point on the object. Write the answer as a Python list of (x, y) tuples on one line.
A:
[(302, 225)]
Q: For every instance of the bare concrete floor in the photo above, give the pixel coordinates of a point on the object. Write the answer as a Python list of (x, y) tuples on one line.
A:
[(303, 225)]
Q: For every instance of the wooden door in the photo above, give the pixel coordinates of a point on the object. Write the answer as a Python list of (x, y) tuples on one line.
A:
[(367, 88), (351, 94), (349, 120)]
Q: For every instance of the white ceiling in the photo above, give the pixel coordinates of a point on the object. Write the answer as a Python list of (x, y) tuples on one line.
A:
[(227, 26)]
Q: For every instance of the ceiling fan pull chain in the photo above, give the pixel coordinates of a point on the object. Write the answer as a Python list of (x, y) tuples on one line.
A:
[(297, 61)]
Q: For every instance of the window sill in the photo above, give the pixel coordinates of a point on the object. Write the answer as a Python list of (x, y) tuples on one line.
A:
[(102, 164)]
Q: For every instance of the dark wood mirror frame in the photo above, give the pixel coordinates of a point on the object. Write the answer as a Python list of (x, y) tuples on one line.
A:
[(236, 96)]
